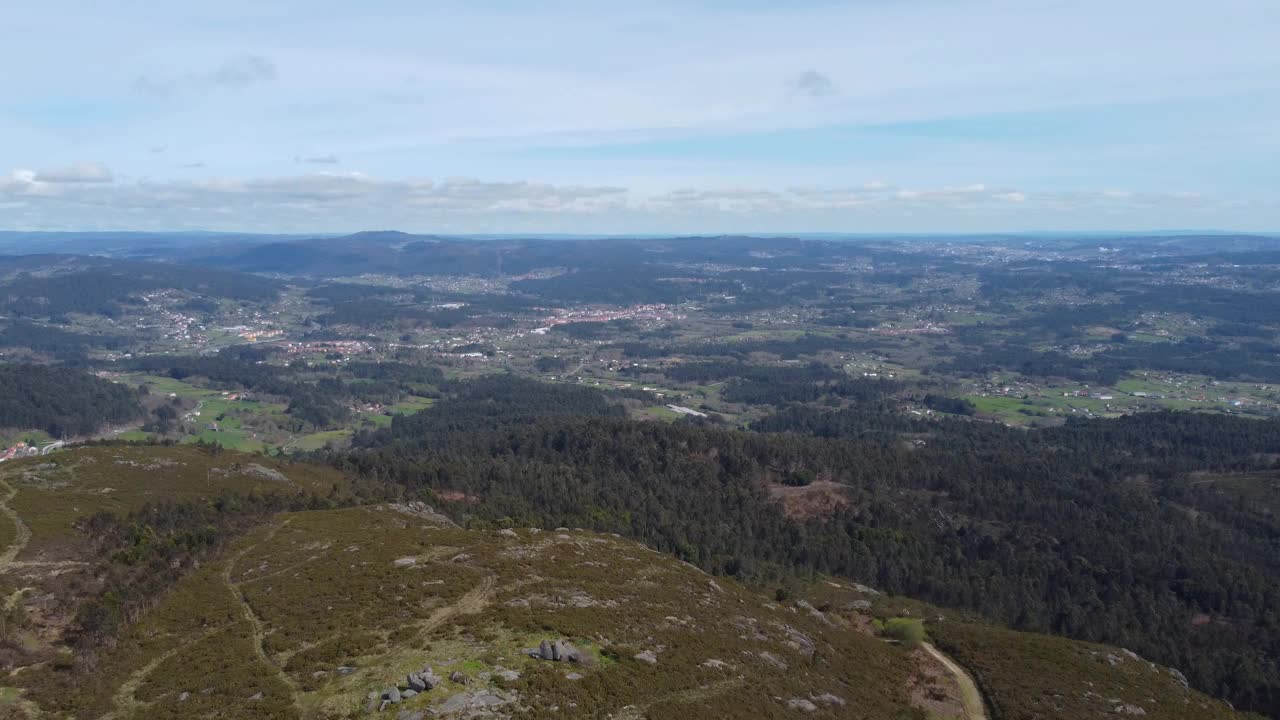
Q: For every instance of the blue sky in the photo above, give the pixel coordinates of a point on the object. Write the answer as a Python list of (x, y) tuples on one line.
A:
[(856, 116)]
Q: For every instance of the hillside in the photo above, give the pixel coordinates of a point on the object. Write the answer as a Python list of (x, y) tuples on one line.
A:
[(316, 613), (62, 402)]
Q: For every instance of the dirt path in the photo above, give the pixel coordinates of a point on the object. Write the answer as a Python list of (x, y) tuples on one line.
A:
[(255, 623), (125, 700), (23, 533), (974, 708), (474, 601), (127, 705), (698, 694)]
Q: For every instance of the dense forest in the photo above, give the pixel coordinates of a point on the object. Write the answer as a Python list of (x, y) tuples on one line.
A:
[(316, 397), (61, 401), (1095, 530), (67, 347), (105, 285)]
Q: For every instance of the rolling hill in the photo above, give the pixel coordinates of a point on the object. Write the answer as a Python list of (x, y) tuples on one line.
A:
[(294, 592)]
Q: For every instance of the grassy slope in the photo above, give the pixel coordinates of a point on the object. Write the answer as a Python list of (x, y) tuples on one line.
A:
[(260, 631), (1026, 676), (55, 491), (292, 602)]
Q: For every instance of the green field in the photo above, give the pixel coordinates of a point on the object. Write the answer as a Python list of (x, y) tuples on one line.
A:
[(315, 441), (166, 385), (411, 405), (231, 439), (31, 437), (660, 412)]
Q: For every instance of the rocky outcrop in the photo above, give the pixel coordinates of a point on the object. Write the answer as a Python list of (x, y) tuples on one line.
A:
[(558, 651), (424, 680), (414, 684), (798, 703)]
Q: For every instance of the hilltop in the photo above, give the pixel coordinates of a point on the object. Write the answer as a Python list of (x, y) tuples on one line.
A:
[(303, 594)]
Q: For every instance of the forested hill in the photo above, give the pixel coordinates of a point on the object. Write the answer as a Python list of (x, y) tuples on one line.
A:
[(1097, 530), (92, 285), (61, 401)]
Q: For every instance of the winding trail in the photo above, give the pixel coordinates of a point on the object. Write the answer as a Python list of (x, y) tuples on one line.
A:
[(125, 700), (255, 623), (23, 535), (974, 708), (474, 601), (698, 694)]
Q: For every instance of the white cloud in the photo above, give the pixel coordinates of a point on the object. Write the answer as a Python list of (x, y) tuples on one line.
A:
[(85, 172), (341, 201), (329, 159), (237, 72), (812, 83)]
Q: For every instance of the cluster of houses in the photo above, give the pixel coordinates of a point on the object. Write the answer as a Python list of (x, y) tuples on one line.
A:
[(21, 450)]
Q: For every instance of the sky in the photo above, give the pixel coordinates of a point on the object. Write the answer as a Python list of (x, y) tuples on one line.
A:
[(707, 116)]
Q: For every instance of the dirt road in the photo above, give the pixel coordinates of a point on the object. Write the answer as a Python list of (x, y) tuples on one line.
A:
[(974, 708)]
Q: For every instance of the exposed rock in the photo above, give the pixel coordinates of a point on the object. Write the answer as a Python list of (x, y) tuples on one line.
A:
[(773, 660), (799, 640), (405, 562), (458, 677), (815, 612), (415, 682), (345, 670), (714, 663), (508, 675), (472, 701), (573, 676), (422, 510), (797, 703), (391, 694), (646, 656), (183, 697), (1178, 676), (508, 532), (256, 696), (828, 699), (406, 694), (461, 557), (568, 652), (858, 605), (545, 651), (265, 473), (410, 715), (569, 598), (1129, 710)]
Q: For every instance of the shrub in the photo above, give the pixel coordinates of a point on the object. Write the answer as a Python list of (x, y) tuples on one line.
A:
[(909, 632)]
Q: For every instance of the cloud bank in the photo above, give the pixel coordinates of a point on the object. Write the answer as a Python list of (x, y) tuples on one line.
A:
[(333, 201)]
